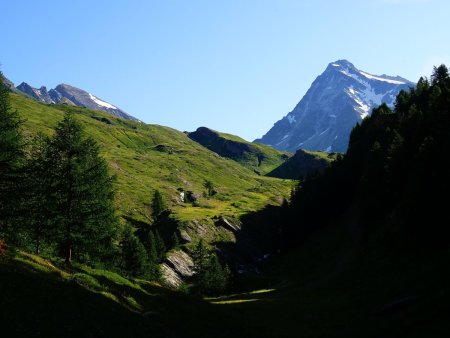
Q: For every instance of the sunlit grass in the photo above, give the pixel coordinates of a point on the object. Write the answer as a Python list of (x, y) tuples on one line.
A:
[(131, 149)]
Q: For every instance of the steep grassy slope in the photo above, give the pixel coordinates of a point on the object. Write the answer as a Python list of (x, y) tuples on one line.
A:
[(148, 157), (257, 157)]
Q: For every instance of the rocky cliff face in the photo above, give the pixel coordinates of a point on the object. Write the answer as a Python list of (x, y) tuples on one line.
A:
[(338, 99), (177, 268), (67, 94), (8, 83), (40, 94)]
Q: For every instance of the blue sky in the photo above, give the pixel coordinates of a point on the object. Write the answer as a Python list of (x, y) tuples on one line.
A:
[(232, 65)]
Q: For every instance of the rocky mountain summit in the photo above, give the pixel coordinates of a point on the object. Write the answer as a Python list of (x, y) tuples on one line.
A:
[(338, 99), (66, 94)]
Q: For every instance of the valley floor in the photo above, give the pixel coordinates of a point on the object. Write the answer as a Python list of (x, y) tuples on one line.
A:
[(329, 288)]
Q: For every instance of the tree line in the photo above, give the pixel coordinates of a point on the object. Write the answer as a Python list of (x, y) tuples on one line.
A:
[(395, 174)]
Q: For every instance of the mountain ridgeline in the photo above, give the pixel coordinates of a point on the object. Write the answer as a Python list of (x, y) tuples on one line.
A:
[(66, 94), (338, 99), (259, 158)]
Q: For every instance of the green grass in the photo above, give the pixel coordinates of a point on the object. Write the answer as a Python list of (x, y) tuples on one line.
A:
[(329, 157), (42, 299), (330, 287), (257, 157), (132, 151)]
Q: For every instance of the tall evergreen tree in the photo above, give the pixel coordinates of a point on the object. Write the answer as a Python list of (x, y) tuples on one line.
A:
[(37, 205), (134, 255), (11, 156), (158, 204), (153, 258), (160, 246), (81, 193)]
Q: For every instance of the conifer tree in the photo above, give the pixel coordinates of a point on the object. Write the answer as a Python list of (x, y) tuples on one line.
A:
[(153, 259), (81, 194), (38, 206), (11, 158), (209, 187), (175, 241), (158, 204), (440, 75), (160, 246), (212, 277), (134, 255)]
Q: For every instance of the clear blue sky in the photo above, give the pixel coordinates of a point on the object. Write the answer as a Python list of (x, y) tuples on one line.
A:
[(232, 65)]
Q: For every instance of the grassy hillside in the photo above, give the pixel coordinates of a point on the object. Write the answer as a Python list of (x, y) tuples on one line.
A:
[(328, 288), (148, 157), (257, 157), (303, 162), (79, 301)]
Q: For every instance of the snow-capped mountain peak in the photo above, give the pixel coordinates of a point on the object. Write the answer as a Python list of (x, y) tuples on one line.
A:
[(64, 93), (339, 98)]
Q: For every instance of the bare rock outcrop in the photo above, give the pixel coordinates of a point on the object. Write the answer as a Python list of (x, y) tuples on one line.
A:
[(177, 267)]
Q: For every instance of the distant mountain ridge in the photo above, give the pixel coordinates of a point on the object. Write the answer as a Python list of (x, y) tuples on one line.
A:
[(67, 94), (338, 99), (257, 157)]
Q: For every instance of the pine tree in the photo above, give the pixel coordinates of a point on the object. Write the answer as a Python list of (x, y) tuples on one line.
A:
[(134, 255), (11, 159), (160, 246), (81, 194), (154, 271), (212, 277), (440, 75), (209, 187), (158, 204), (175, 241), (199, 253), (38, 207)]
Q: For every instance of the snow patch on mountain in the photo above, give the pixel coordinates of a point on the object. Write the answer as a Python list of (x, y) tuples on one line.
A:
[(101, 103), (378, 78)]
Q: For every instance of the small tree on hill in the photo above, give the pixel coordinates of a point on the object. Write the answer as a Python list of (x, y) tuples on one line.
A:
[(209, 187), (158, 204)]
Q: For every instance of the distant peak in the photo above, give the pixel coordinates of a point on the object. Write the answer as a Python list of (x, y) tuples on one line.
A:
[(342, 63), (24, 84), (64, 85)]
